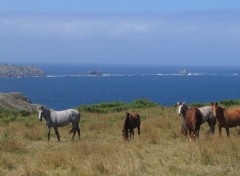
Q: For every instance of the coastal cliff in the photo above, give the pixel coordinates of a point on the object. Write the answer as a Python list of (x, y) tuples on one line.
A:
[(16, 101), (8, 70)]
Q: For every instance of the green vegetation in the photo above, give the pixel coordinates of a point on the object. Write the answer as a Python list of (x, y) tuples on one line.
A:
[(228, 103), (7, 115), (224, 103), (160, 150), (117, 106)]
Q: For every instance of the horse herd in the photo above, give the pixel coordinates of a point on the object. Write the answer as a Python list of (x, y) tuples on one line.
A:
[(192, 119)]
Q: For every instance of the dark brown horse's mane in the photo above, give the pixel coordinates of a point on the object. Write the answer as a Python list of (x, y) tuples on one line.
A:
[(126, 120)]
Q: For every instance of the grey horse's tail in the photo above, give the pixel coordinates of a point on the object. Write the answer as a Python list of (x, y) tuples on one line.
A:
[(71, 131)]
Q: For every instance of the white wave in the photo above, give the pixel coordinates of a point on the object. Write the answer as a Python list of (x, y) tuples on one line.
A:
[(150, 74)]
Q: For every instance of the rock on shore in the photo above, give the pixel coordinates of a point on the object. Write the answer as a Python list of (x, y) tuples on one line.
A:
[(8, 70), (16, 101)]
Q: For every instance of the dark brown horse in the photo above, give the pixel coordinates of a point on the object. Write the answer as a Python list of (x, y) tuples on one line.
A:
[(132, 120), (226, 118), (193, 122)]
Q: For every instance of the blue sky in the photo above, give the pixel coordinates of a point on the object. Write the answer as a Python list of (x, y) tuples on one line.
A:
[(156, 32)]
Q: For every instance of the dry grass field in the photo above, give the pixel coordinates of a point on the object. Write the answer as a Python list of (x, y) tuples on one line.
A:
[(160, 150)]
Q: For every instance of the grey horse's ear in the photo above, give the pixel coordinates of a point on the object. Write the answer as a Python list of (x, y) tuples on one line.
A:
[(178, 103), (184, 102)]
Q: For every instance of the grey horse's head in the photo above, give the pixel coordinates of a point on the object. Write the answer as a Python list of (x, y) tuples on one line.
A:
[(40, 112)]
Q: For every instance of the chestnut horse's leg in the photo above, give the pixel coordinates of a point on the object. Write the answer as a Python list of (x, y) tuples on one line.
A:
[(239, 132), (227, 131)]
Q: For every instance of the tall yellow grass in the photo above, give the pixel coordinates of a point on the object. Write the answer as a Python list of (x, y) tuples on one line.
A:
[(160, 150)]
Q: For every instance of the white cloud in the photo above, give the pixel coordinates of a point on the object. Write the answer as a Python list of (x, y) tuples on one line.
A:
[(132, 26)]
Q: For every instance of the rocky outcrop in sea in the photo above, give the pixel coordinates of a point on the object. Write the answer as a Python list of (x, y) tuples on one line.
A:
[(8, 70)]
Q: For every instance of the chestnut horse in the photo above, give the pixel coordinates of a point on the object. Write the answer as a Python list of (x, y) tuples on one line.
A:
[(132, 120), (226, 118), (193, 122)]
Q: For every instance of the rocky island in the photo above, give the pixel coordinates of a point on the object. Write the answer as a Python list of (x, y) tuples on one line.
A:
[(9, 70)]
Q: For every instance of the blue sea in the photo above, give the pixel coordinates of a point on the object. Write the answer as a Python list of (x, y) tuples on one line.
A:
[(68, 86)]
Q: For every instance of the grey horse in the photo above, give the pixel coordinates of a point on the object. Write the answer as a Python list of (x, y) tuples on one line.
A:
[(57, 119), (206, 112)]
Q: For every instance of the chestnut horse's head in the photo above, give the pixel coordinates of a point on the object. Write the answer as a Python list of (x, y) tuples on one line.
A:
[(214, 109)]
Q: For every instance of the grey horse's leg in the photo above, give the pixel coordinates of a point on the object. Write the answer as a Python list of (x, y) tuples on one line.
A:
[(49, 130), (56, 131), (184, 129), (211, 124), (74, 132), (78, 131), (74, 129)]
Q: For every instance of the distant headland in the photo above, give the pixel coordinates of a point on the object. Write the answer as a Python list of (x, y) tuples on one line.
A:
[(14, 71), (16, 101)]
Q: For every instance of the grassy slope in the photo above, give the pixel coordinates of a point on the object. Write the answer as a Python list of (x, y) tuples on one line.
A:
[(160, 150)]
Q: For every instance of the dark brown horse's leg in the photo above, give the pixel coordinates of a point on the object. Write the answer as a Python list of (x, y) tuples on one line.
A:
[(131, 134), (139, 131), (56, 131), (219, 130)]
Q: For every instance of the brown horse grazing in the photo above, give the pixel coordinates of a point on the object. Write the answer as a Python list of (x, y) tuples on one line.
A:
[(226, 118), (132, 120), (193, 122)]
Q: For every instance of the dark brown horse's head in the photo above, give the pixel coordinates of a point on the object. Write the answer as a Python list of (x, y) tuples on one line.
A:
[(125, 127)]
